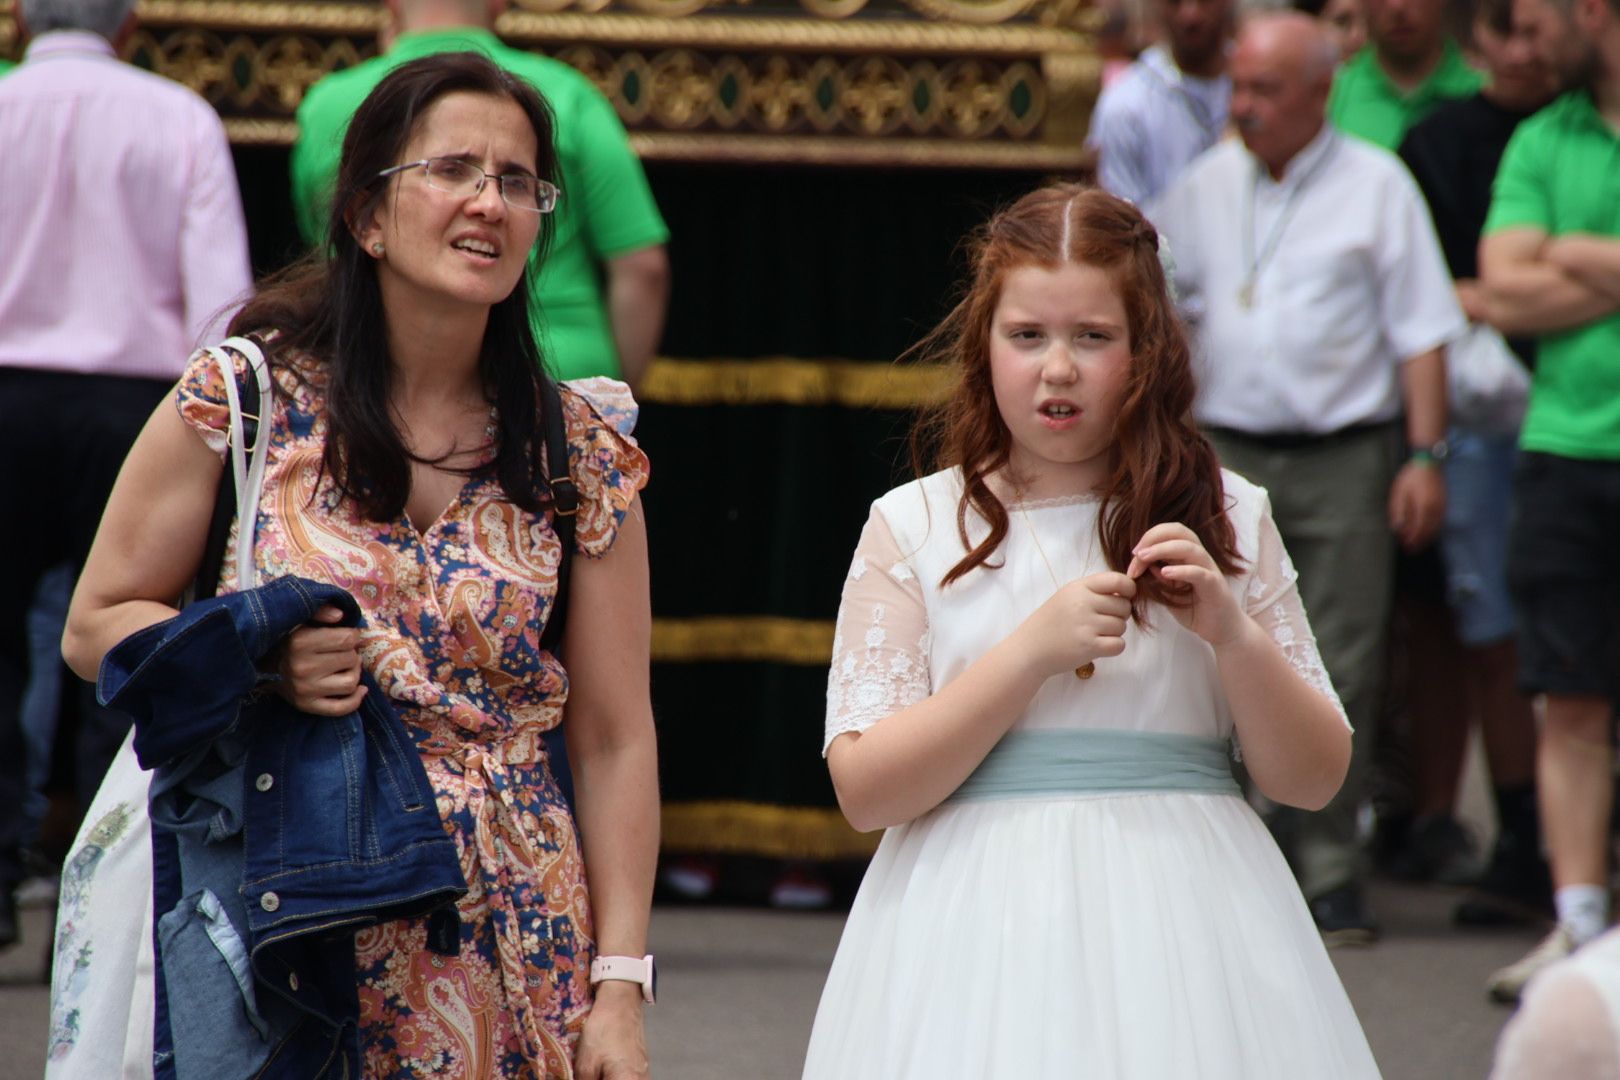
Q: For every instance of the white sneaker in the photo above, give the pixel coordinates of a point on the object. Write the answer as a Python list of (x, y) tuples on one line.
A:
[(1507, 984)]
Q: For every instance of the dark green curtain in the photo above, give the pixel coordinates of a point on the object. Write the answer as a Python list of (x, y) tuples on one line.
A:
[(755, 509)]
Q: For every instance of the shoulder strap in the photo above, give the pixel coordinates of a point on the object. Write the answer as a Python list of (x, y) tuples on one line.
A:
[(564, 508), (243, 474)]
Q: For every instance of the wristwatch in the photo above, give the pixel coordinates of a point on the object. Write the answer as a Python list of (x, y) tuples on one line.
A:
[(640, 970), (1432, 454)]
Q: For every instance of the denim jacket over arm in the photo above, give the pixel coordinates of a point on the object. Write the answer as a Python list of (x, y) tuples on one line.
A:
[(276, 836)]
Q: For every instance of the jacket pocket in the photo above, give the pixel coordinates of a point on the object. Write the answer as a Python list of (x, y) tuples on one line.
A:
[(213, 1012)]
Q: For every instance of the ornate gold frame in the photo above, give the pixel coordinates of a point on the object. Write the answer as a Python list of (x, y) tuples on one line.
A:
[(909, 83)]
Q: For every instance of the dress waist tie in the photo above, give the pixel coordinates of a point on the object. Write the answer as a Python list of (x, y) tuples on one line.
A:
[(1069, 762), (496, 825)]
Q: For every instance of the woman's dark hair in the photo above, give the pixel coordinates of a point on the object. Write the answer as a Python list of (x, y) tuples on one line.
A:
[(329, 306), (1161, 468)]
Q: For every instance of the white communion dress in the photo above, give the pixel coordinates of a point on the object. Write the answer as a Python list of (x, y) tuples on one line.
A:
[(1098, 899)]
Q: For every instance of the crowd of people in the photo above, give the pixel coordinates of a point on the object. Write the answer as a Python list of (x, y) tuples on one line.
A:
[(1307, 414)]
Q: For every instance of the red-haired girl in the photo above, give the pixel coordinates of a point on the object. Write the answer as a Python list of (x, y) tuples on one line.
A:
[(1047, 652)]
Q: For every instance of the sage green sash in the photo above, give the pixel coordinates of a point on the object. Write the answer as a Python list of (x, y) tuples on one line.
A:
[(1078, 761)]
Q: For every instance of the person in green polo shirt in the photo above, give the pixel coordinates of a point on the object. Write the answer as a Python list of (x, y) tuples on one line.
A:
[(1550, 267), (1409, 65), (603, 288)]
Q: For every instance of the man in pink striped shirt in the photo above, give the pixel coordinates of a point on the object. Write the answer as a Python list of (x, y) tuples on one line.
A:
[(121, 242)]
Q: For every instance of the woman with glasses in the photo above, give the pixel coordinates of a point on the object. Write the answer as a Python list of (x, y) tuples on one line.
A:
[(406, 465)]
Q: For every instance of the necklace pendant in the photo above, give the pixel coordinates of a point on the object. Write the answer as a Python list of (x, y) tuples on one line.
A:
[(1245, 295), (1086, 670)]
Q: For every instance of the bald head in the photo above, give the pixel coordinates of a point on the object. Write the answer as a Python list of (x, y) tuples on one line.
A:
[(1282, 70), (1291, 41)]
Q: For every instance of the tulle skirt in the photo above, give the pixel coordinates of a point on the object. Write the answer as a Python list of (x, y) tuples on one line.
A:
[(1156, 936)]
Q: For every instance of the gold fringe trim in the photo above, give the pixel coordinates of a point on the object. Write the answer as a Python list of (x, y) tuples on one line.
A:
[(784, 381), (882, 35), (778, 832), (1073, 160), (743, 638)]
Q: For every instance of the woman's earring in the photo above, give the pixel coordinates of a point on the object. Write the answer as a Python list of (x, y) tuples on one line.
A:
[(377, 248)]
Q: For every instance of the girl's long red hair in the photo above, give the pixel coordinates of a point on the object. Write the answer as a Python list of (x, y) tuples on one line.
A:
[(1161, 467)]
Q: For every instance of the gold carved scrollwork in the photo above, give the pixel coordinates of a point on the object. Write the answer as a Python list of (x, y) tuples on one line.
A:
[(682, 89), (833, 9), (981, 12), (875, 97), (1003, 83), (288, 65), (1070, 13), (242, 74)]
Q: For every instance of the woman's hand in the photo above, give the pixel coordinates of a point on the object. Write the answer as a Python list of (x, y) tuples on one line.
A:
[(613, 1044), (320, 667), (1084, 620), (1173, 553)]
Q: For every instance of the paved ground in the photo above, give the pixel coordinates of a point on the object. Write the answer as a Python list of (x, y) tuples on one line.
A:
[(739, 990)]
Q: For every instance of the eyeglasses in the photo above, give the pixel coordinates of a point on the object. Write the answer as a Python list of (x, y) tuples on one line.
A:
[(464, 180)]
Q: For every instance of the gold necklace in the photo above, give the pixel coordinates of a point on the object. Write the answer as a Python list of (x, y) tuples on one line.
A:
[(1089, 668)]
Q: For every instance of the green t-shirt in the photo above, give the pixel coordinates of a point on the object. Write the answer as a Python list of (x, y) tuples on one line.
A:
[(606, 208), (1366, 104), (1561, 173)]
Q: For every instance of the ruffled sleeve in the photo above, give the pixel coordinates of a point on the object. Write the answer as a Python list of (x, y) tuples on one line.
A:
[(880, 644), (607, 465), (200, 397)]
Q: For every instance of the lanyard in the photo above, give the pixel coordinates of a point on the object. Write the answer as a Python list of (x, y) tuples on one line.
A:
[(1256, 261)]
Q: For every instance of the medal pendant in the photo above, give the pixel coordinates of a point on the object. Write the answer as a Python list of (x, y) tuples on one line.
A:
[(1245, 295)]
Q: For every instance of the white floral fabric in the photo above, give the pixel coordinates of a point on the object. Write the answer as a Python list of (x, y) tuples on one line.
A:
[(884, 644)]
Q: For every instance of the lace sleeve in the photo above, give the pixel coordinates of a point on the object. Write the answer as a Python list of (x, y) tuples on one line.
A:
[(880, 647), (1272, 600)]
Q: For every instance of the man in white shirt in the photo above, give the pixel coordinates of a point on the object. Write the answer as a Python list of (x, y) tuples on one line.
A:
[(1169, 106), (1320, 303)]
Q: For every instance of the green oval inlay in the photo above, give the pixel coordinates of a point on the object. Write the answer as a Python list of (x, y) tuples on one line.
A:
[(1022, 99), (921, 97), (729, 91), (143, 60), (825, 94), (242, 72), (632, 87)]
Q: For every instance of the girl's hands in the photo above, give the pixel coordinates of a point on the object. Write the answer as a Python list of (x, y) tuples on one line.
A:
[(320, 667), (613, 1044), (1174, 554), (1084, 620)]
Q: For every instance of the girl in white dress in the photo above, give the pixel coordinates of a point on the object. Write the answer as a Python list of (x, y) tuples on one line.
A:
[(1047, 654)]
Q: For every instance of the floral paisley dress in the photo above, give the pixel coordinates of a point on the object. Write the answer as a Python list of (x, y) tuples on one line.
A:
[(452, 623)]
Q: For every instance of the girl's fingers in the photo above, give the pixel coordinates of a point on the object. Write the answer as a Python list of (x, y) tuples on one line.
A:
[(1171, 551)]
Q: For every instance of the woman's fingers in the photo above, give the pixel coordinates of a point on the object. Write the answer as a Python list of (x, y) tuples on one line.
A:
[(320, 666), (309, 639), (330, 706)]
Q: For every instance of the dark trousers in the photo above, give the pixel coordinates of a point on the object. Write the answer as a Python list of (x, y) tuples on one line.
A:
[(62, 440), (1330, 499)]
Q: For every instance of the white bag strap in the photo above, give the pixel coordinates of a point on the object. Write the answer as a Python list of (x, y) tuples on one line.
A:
[(246, 467)]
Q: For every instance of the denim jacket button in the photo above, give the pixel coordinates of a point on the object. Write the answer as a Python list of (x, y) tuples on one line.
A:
[(265, 782), (270, 901)]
